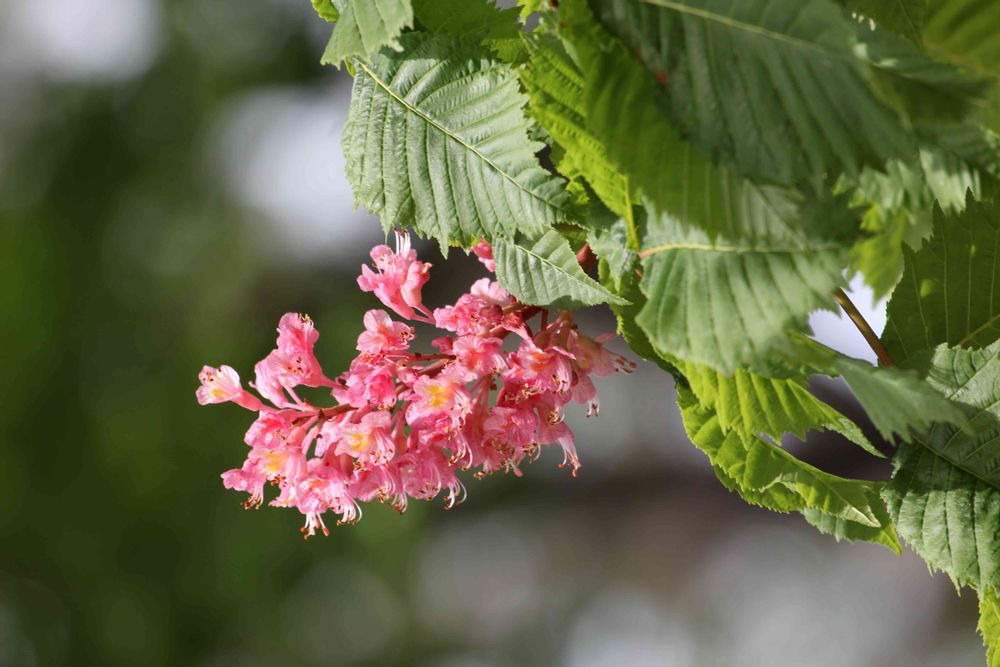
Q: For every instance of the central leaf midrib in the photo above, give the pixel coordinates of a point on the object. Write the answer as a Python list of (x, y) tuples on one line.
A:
[(445, 131)]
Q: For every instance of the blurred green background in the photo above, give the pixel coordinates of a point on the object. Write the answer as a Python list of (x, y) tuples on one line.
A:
[(170, 184)]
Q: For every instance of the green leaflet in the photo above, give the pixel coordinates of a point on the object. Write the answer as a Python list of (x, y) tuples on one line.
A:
[(897, 401), (773, 85), (754, 405), (556, 87), (436, 138), (989, 625), (949, 291), (326, 10), (945, 492), (365, 26), (726, 303), (965, 32), (904, 17), (547, 274), (768, 476), (842, 529)]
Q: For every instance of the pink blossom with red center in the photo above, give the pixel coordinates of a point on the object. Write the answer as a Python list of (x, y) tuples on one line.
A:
[(402, 423)]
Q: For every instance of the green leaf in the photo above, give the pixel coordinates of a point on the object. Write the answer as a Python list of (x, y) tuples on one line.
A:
[(989, 625), (726, 302), (897, 401), (547, 274), (753, 465), (842, 529), (436, 138), (556, 87), (950, 517), (904, 17), (626, 284), (773, 85), (498, 28), (326, 10), (754, 405), (945, 492), (365, 26), (950, 290), (469, 17), (965, 32)]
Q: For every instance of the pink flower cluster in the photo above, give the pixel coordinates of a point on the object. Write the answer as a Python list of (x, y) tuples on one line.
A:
[(405, 421)]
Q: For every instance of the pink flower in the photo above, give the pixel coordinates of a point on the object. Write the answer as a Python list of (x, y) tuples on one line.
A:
[(272, 429), (399, 279), (370, 441), (484, 252), (404, 422), (478, 356), (543, 369), (221, 385), (435, 397), (382, 336), (367, 385)]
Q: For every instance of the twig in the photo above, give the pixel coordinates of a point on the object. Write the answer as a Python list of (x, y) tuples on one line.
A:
[(859, 321)]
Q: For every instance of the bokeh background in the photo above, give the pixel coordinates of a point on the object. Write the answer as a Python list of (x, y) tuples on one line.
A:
[(170, 183)]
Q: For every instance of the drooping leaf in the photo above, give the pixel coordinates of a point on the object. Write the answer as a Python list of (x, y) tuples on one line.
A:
[(752, 464), (752, 405), (950, 290), (989, 625), (773, 85), (945, 491), (726, 302), (897, 401), (904, 17), (556, 87), (365, 26), (547, 273), (436, 138)]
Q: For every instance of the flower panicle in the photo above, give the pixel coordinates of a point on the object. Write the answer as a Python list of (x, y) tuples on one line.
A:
[(404, 423)]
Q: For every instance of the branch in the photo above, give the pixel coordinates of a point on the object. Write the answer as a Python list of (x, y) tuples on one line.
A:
[(859, 321)]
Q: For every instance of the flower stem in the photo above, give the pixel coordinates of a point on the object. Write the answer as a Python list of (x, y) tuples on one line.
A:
[(859, 321)]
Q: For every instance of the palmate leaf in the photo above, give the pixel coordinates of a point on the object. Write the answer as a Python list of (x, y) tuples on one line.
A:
[(326, 10), (965, 32), (770, 477), (945, 492), (752, 405), (547, 274), (897, 401), (365, 26), (773, 85), (989, 625), (950, 290), (436, 138)]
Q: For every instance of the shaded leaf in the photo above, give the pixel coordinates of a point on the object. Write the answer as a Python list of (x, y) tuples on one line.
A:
[(950, 290)]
